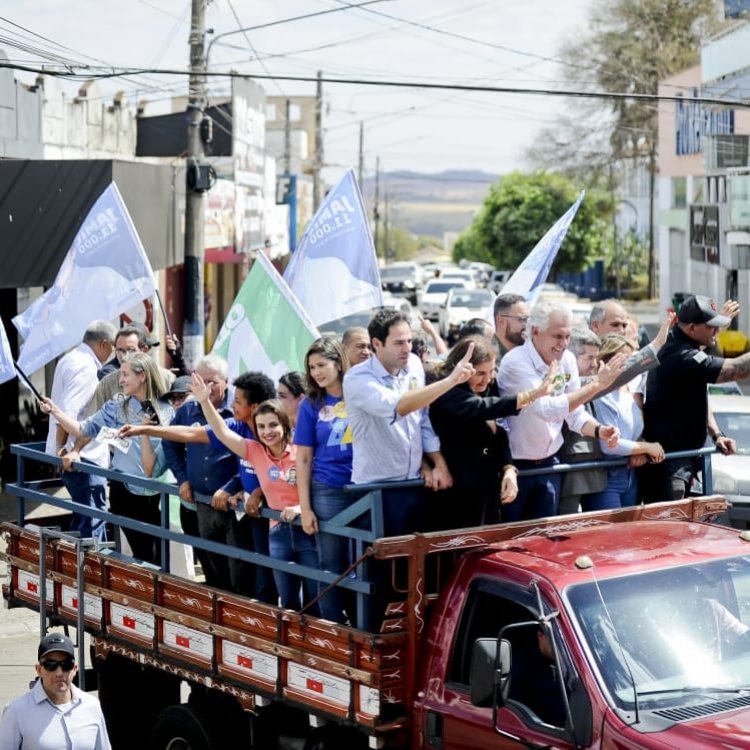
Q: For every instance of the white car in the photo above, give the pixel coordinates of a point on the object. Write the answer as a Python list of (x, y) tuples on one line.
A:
[(457, 274), (731, 474), (434, 294), (462, 305)]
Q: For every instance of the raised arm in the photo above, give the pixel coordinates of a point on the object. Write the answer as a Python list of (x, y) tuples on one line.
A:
[(232, 440), (419, 398), (176, 433)]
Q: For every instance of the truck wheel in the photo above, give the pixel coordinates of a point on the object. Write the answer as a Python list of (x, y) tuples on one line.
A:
[(180, 728)]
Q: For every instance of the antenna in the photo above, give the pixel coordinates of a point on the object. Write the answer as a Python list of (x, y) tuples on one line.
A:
[(588, 564)]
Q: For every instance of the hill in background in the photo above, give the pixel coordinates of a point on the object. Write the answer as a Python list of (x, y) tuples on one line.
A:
[(430, 204)]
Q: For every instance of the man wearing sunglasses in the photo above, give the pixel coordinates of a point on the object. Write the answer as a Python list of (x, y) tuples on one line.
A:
[(54, 713)]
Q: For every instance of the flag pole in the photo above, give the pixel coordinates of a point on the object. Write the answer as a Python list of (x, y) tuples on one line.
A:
[(164, 313), (28, 382)]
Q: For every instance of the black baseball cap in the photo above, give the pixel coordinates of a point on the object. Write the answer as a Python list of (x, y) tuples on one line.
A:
[(180, 385), (699, 309), (55, 642)]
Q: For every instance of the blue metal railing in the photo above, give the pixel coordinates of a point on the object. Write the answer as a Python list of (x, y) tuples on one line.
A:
[(361, 522)]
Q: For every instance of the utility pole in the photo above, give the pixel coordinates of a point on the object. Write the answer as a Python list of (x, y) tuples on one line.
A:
[(361, 169), (386, 254), (193, 329), (376, 210), (318, 141), (288, 139)]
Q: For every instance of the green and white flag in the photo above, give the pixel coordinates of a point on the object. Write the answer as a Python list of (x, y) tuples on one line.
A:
[(267, 330)]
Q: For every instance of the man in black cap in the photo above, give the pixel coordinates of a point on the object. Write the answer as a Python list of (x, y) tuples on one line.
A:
[(54, 713), (676, 412)]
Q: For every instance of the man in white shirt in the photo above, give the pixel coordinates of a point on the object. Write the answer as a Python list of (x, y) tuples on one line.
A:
[(536, 433), (54, 713), (73, 386)]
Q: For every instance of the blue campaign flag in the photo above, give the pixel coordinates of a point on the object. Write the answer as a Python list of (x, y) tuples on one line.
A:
[(105, 272), (7, 368), (533, 272), (334, 271)]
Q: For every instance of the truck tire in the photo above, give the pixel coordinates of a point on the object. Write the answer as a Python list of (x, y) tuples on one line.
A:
[(180, 728)]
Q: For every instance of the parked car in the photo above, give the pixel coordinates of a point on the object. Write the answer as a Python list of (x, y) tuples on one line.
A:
[(434, 294), (462, 305), (498, 280), (401, 279), (731, 474), (363, 317), (458, 274)]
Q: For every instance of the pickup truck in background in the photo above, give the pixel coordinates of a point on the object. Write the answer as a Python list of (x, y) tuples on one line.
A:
[(620, 629)]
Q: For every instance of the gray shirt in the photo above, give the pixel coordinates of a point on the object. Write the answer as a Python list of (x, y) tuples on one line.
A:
[(386, 446)]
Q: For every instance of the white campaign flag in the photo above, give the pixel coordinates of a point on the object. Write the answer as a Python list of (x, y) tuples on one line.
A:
[(334, 271), (533, 272), (105, 272), (7, 368)]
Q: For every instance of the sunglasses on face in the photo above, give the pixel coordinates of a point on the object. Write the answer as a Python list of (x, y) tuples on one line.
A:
[(51, 665)]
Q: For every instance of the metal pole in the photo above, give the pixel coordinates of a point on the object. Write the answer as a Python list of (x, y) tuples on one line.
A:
[(287, 138), (193, 330), (361, 167), (318, 142), (376, 210)]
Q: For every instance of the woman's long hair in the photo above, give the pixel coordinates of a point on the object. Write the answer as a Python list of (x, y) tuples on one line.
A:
[(330, 348), (155, 390), (483, 352)]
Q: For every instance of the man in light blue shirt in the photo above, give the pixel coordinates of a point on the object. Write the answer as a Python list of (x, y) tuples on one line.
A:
[(54, 714), (386, 397)]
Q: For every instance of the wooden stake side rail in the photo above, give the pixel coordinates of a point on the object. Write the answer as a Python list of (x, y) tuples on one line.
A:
[(227, 642), (250, 649)]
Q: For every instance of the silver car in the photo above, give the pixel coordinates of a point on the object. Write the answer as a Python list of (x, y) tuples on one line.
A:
[(731, 474)]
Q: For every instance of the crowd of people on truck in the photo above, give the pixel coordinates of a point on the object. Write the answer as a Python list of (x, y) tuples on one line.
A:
[(537, 389)]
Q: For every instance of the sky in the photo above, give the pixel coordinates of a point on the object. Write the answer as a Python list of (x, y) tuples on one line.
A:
[(505, 43)]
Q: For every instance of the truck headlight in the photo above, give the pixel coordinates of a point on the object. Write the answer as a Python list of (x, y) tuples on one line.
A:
[(724, 484)]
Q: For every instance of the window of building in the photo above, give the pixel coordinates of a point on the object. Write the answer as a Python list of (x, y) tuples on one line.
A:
[(679, 192)]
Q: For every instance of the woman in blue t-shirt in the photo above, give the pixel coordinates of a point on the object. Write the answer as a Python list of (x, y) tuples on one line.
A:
[(324, 460)]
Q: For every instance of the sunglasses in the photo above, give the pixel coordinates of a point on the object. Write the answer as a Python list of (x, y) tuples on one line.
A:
[(51, 665)]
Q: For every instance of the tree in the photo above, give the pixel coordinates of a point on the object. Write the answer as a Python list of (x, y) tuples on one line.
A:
[(517, 212), (631, 45)]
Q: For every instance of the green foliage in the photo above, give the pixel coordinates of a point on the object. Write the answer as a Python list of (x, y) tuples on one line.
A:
[(401, 244), (518, 211)]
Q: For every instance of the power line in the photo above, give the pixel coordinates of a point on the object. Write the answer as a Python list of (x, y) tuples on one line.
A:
[(90, 73)]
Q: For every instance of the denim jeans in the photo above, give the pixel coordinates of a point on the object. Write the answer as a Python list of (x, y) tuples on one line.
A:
[(334, 552), (621, 491), (289, 542), (538, 495), (91, 491)]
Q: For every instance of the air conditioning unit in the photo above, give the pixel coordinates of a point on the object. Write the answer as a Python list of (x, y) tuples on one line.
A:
[(726, 151)]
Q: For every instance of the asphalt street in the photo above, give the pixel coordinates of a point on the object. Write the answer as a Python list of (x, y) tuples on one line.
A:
[(19, 628)]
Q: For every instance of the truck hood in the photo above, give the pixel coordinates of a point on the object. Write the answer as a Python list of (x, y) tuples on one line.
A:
[(722, 730)]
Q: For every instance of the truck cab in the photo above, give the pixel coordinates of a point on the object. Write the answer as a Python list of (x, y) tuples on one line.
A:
[(628, 636)]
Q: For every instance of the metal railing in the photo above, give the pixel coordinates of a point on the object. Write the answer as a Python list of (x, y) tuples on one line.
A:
[(361, 522)]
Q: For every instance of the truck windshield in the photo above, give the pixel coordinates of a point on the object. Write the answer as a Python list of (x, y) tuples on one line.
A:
[(672, 636)]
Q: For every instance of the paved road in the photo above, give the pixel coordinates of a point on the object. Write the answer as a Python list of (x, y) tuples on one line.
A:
[(19, 628)]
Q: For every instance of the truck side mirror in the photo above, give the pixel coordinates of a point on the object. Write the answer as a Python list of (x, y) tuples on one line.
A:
[(489, 678)]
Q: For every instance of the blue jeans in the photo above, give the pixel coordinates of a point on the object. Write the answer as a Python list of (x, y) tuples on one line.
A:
[(334, 552), (91, 491), (621, 491), (538, 496), (288, 542)]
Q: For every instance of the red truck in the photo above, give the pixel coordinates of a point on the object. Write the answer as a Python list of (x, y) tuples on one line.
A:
[(626, 629)]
